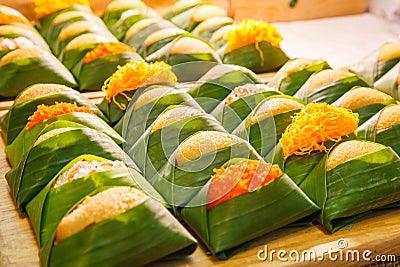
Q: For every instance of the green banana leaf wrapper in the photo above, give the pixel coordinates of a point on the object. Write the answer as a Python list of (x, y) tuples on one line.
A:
[(25, 31), (137, 120), (227, 227), (19, 74), (158, 45), (92, 75), (179, 184), (43, 161), (388, 82), (16, 118), (151, 152), (233, 114), (48, 208), (44, 24), (138, 39), (331, 92), (172, 13), (110, 17), (206, 34), (135, 243), (354, 187), (248, 56), (264, 135), (25, 139), (387, 137), (218, 83), (290, 84)]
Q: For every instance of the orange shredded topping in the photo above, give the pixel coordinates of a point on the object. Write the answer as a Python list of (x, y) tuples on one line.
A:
[(47, 7), (250, 31), (44, 112), (238, 179), (132, 76), (6, 19), (315, 124), (106, 49)]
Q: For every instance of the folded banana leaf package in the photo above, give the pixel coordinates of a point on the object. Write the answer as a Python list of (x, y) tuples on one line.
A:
[(306, 140), (122, 85), (265, 125), (218, 38), (353, 178), (188, 14), (291, 76), (364, 101), (146, 232), (254, 44), (383, 128), (328, 85), (160, 38), (8, 14), (389, 82), (104, 59), (214, 86), (46, 115), (206, 29), (27, 102), (378, 62), (243, 200), (240, 103), (153, 149), (190, 167), (116, 8), (51, 151), (26, 31)]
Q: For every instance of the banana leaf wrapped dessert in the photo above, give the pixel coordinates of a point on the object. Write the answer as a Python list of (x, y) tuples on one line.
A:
[(291, 77), (190, 167), (389, 82), (187, 14), (206, 29), (121, 87), (265, 125), (383, 128), (87, 235), (218, 38), (240, 103), (354, 177), (364, 101), (13, 122), (328, 85), (105, 59), (45, 115), (26, 31), (245, 199), (312, 132), (151, 152), (23, 67), (254, 44), (11, 16), (8, 45), (116, 8), (378, 63), (214, 86), (159, 39), (52, 150)]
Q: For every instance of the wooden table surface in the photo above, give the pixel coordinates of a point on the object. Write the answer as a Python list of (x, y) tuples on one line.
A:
[(378, 232)]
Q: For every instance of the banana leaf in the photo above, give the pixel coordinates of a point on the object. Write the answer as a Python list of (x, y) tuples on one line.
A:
[(249, 56), (27, 32), (179, 184), (48, 208), (120, 28), (227, 227), (104, 67), (16, 118), (43, 161), (110, 17), (152, 151), (135, 243), (206, 34), (290, 84), (138, 39), (172, 13), (233, 114), (388, 82), (19, 74), (388, 137), (218, 83), (354, 187), (157, 45), (25, 139), (331, 92), (45, 23)]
